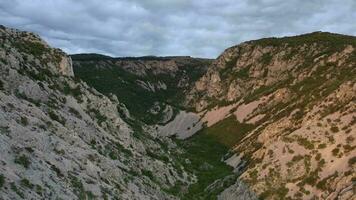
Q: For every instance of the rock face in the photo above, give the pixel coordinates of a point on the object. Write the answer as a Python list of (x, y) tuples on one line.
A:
[(183, 126), (60, 139), (65, 66), (297, 94)]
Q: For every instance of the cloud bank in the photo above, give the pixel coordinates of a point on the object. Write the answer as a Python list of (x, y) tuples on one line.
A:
[(176, 27)]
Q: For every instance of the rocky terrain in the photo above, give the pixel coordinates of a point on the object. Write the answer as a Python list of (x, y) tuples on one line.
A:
[(61, 139), (270, 119), (287, 107)]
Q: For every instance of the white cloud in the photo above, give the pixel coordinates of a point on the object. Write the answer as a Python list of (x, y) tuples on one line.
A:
[(177, 27)]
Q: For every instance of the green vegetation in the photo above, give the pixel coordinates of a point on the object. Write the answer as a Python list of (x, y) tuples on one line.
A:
[(330, 39), (335, 151), (74, 92), (75, 112), (26, 183), (323, 184), (295, 159), (1, 85), (228, 131), (148, 174), (352, 161), (280, 192), (263, 90), (305, 143), (158, 156), (98, 116), (334, 129), (24, 121), (242, 73), (114, 79), (231, 63), (266, 58), (205, 151), (34, 48), (23, 96), (56, 117), (205, 154), (39, 190), (58, 171), (114, 150), (16, 190), (23, 160), (2, 180), (79, 190)]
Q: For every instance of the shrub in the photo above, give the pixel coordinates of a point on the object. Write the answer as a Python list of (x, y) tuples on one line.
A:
[(23, 160), (305, 143), (113, 155), (352, 161), (79, 190), (24, 121), (55, 117), (35, 48), (39, 189), (26, 183), (334, 129), (318, 156), (75, 112), (1, 85), (335, 151), (295, 159), (99, 117), (16, 190), (2, 180), (149, 174)]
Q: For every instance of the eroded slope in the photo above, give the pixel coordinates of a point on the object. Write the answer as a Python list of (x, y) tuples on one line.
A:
[(298, 94), (60, 139)]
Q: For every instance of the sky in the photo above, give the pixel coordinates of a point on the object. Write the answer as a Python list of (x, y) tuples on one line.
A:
[(198, 28)]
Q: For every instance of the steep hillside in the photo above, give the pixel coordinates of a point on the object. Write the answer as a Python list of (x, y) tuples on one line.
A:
[(287, 107), (61, 139), (151, 87)]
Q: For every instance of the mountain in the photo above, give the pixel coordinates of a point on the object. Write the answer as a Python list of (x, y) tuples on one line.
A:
[(268, 119), (286, 106), (62, 139), (152, 88)]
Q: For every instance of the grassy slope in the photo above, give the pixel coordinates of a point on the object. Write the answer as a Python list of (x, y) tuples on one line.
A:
[(120, 83), (205, 150)]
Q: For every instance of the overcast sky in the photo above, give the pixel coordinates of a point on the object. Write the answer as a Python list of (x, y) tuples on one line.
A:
[(200, 28)]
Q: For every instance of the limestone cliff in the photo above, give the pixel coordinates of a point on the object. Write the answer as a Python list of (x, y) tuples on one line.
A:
[(61, 139)]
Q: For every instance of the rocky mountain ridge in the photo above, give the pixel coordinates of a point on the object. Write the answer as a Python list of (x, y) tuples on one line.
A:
[(287, 107)]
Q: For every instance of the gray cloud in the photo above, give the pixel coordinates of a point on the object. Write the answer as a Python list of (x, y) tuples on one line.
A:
[(176, 27)]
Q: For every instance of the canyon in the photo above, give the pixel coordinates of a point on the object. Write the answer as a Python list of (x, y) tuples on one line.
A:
[(273, 118)]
